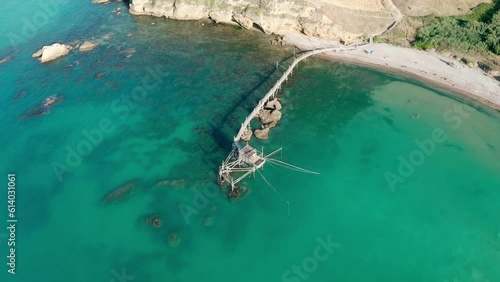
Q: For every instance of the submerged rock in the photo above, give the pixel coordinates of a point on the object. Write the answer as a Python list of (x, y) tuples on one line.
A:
[(19, 95), (129, 51), (100, 75), (177, 183), (119, 193), (107, 36), (262, 134), (6, 59), (88, 46), (155, 221), (238, 193), (234, 193), (208, 221), (52, 52), (43, 108), (173, 239)]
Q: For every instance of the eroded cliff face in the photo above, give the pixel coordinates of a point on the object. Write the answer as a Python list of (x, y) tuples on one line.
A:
[(337, 19)]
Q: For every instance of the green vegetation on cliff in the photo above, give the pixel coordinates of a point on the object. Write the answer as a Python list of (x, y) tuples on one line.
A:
[(477, 33)]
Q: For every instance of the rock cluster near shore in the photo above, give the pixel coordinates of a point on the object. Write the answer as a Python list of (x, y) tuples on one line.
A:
[(269, 116)]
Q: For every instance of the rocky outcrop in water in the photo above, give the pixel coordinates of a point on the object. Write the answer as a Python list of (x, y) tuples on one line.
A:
[(269, 116), (262, 134), (52, 52), (88, 46)]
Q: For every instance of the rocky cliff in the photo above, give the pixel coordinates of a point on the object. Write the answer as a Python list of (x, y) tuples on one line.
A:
[(322, 18), (336, 19)]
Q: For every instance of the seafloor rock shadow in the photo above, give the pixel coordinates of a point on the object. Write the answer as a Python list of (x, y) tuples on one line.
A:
[(120, 193)]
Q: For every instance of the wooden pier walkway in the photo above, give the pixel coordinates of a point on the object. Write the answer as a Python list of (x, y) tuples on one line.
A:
[(278, 84), (243, 161)]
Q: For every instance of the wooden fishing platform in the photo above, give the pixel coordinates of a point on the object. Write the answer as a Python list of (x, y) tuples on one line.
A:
[(243, 161)]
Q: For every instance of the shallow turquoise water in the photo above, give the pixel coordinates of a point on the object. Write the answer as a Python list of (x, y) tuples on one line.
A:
[(352, 125)]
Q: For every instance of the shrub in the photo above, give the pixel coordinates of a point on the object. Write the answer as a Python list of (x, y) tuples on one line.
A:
[(467, 36)]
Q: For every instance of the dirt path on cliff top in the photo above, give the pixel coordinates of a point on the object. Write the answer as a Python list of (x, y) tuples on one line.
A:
[(408, 7), (368, 17)]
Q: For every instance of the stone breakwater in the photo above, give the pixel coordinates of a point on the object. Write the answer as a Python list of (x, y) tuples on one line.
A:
[(311, 17)]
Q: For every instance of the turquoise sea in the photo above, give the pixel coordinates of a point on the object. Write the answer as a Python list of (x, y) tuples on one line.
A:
[(409, 178)]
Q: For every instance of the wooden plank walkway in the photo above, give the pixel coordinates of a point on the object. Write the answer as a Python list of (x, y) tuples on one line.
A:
[(278, 84)]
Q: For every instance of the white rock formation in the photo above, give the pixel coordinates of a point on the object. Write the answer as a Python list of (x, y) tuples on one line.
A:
[(52, 52)]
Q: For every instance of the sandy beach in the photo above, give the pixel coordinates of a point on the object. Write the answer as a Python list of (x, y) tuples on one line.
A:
[(429, 67)]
